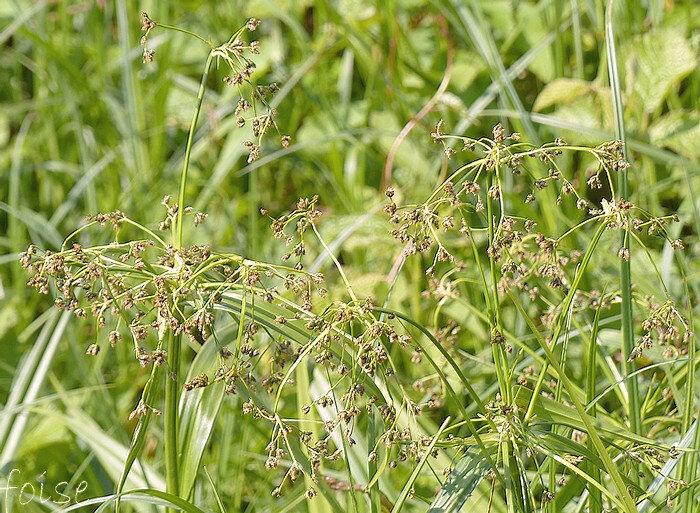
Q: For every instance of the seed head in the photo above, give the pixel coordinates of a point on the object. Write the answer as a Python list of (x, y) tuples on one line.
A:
[(677, 244), (199, 218), (146, 22)]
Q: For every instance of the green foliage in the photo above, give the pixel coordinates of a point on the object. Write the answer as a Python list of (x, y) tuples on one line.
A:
[(446, 361)]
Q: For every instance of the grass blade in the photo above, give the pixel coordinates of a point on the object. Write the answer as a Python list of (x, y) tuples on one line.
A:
[(461, 483), (416, 471), (31, 375)]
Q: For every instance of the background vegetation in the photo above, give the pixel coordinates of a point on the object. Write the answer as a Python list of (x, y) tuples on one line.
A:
[(85, 127)]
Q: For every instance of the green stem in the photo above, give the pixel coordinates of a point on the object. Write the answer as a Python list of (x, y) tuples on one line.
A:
[(188, 152), (628, 503), (562, 316), (625, 270), (510, 480), (373, 434), (172, 388), (578, 44), (595, 498), (499, 355), (688, 469), (337, 264), (185, 31), (500, 359), (627, 341), (172, 398)]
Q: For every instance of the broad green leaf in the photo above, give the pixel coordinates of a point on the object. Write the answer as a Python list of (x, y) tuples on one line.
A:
[(662, 59), (561, 91), (679, 131)]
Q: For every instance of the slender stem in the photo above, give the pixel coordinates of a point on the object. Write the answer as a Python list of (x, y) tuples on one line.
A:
[(188, 152), (373, 429), (337, 264), (688, 469), (627, 339), (172, 396), (499, 355), (628, 503), (185, 31), (511, 498), (308, 424), (562, 316), (172, 388), (578, 46), (595, 498), (625, 270)]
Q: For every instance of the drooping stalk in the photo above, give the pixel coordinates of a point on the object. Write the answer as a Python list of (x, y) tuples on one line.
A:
[(185, 31)]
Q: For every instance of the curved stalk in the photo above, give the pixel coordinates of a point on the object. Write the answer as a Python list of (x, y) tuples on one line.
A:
[(185, 31)]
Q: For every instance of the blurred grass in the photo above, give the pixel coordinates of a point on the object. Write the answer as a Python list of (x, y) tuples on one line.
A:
[(85, 127)]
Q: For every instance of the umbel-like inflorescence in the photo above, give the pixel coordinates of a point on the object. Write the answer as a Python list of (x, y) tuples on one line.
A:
[(139, 289), (472, 204), (149, 285), (237, 54), (147, 292)]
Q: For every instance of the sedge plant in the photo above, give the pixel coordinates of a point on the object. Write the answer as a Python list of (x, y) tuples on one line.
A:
[(363, 371)]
